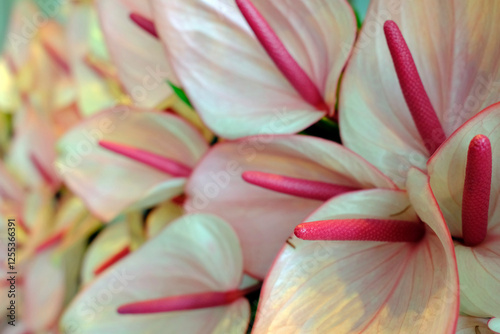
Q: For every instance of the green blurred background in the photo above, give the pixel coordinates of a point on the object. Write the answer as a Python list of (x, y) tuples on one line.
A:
[(5, 6)]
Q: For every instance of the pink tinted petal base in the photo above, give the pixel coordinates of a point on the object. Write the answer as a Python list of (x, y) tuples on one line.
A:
[(421, 109), (294, 186), (156, 161), (112, 260), (477, 186), (297, 77), (145, 24), (362, 229), (186, 302)]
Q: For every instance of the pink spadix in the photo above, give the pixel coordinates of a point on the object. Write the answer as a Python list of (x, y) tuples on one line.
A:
[(163, 164), (45, 175), (112, 260), (362, 230), (317, 190), (186, 302), (428, 125), (51, 241), (476, 195), (57, 57), (145, 24), (271, 43)]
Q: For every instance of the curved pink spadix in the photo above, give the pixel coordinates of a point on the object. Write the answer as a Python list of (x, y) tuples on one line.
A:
[(428, 125), (186, 302), (145, 24), (47, 178), (297, 77), (51, 241), (362, 229), (476, 195), (166, 165), (317, 190), (56, 57), (112, 260)]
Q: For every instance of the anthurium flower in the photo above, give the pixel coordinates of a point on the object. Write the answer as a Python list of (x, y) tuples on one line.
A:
[(404, 93), (265, 186), (115, 242), (126, 158), (465, 177), (379, 265), (266, 67), (185, 280), (138, 54)]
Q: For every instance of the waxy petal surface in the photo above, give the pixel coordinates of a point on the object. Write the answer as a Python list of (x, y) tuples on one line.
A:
[(197, 253), (459, 66), (229, 76), (264, 219)]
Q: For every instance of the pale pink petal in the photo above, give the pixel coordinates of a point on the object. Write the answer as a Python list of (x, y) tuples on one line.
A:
[(109, 182), (447, 169), (472, 325), (139, 57), (479, 269), (197, 253), (459, 66), (161, 216), (109, 242), (263, 218), (362, 287), (230, 78)]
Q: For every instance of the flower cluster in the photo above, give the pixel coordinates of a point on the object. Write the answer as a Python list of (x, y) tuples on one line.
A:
[(237, 166)]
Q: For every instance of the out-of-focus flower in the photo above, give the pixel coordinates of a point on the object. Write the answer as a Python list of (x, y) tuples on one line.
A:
[(397, 118), (115, 241), (128, 158), (265, 186), (274, 69), (465, 178), (143, 70), (186, 279), (138, 56), (391, 270)]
